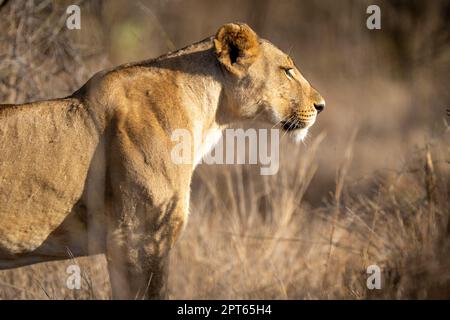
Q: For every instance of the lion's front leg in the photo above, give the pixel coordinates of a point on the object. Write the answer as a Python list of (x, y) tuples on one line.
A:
[(135, 273), (138, 246), (147, 203)]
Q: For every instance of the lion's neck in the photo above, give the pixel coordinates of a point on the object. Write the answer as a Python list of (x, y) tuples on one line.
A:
[(201, 83), (204, 104), (202, 87)]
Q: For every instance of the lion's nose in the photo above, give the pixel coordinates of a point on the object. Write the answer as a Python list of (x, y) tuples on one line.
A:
[(319, 106)]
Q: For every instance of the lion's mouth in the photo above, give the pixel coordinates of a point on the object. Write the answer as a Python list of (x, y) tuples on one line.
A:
[(292, 125)]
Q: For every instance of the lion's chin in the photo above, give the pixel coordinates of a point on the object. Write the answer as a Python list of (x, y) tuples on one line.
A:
[(298, 135)]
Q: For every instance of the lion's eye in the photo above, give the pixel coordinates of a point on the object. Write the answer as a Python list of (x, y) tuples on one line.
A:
[(290, 72)]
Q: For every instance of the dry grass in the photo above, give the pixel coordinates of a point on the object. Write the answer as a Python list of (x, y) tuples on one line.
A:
[(370, 186), (260, 241)]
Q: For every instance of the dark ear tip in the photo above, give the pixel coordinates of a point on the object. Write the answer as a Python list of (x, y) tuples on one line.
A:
[(236, 46)]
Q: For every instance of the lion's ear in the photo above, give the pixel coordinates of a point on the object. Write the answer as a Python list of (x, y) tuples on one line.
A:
[(237, 47)]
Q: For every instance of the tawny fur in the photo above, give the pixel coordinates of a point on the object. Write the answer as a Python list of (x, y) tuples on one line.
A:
[(92, 173)]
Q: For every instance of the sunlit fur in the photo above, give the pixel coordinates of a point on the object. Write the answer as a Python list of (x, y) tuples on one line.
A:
[(92, 173)]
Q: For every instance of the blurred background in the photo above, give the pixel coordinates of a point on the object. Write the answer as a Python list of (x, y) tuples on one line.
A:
[(369, 185)]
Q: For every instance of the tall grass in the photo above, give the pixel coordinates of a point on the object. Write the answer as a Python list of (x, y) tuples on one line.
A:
[(261, 241)]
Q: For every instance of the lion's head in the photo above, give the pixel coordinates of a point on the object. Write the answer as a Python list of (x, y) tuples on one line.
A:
[(264, 83)]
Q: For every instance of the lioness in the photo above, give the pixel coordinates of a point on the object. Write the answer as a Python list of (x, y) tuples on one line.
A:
[(92, 173)]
